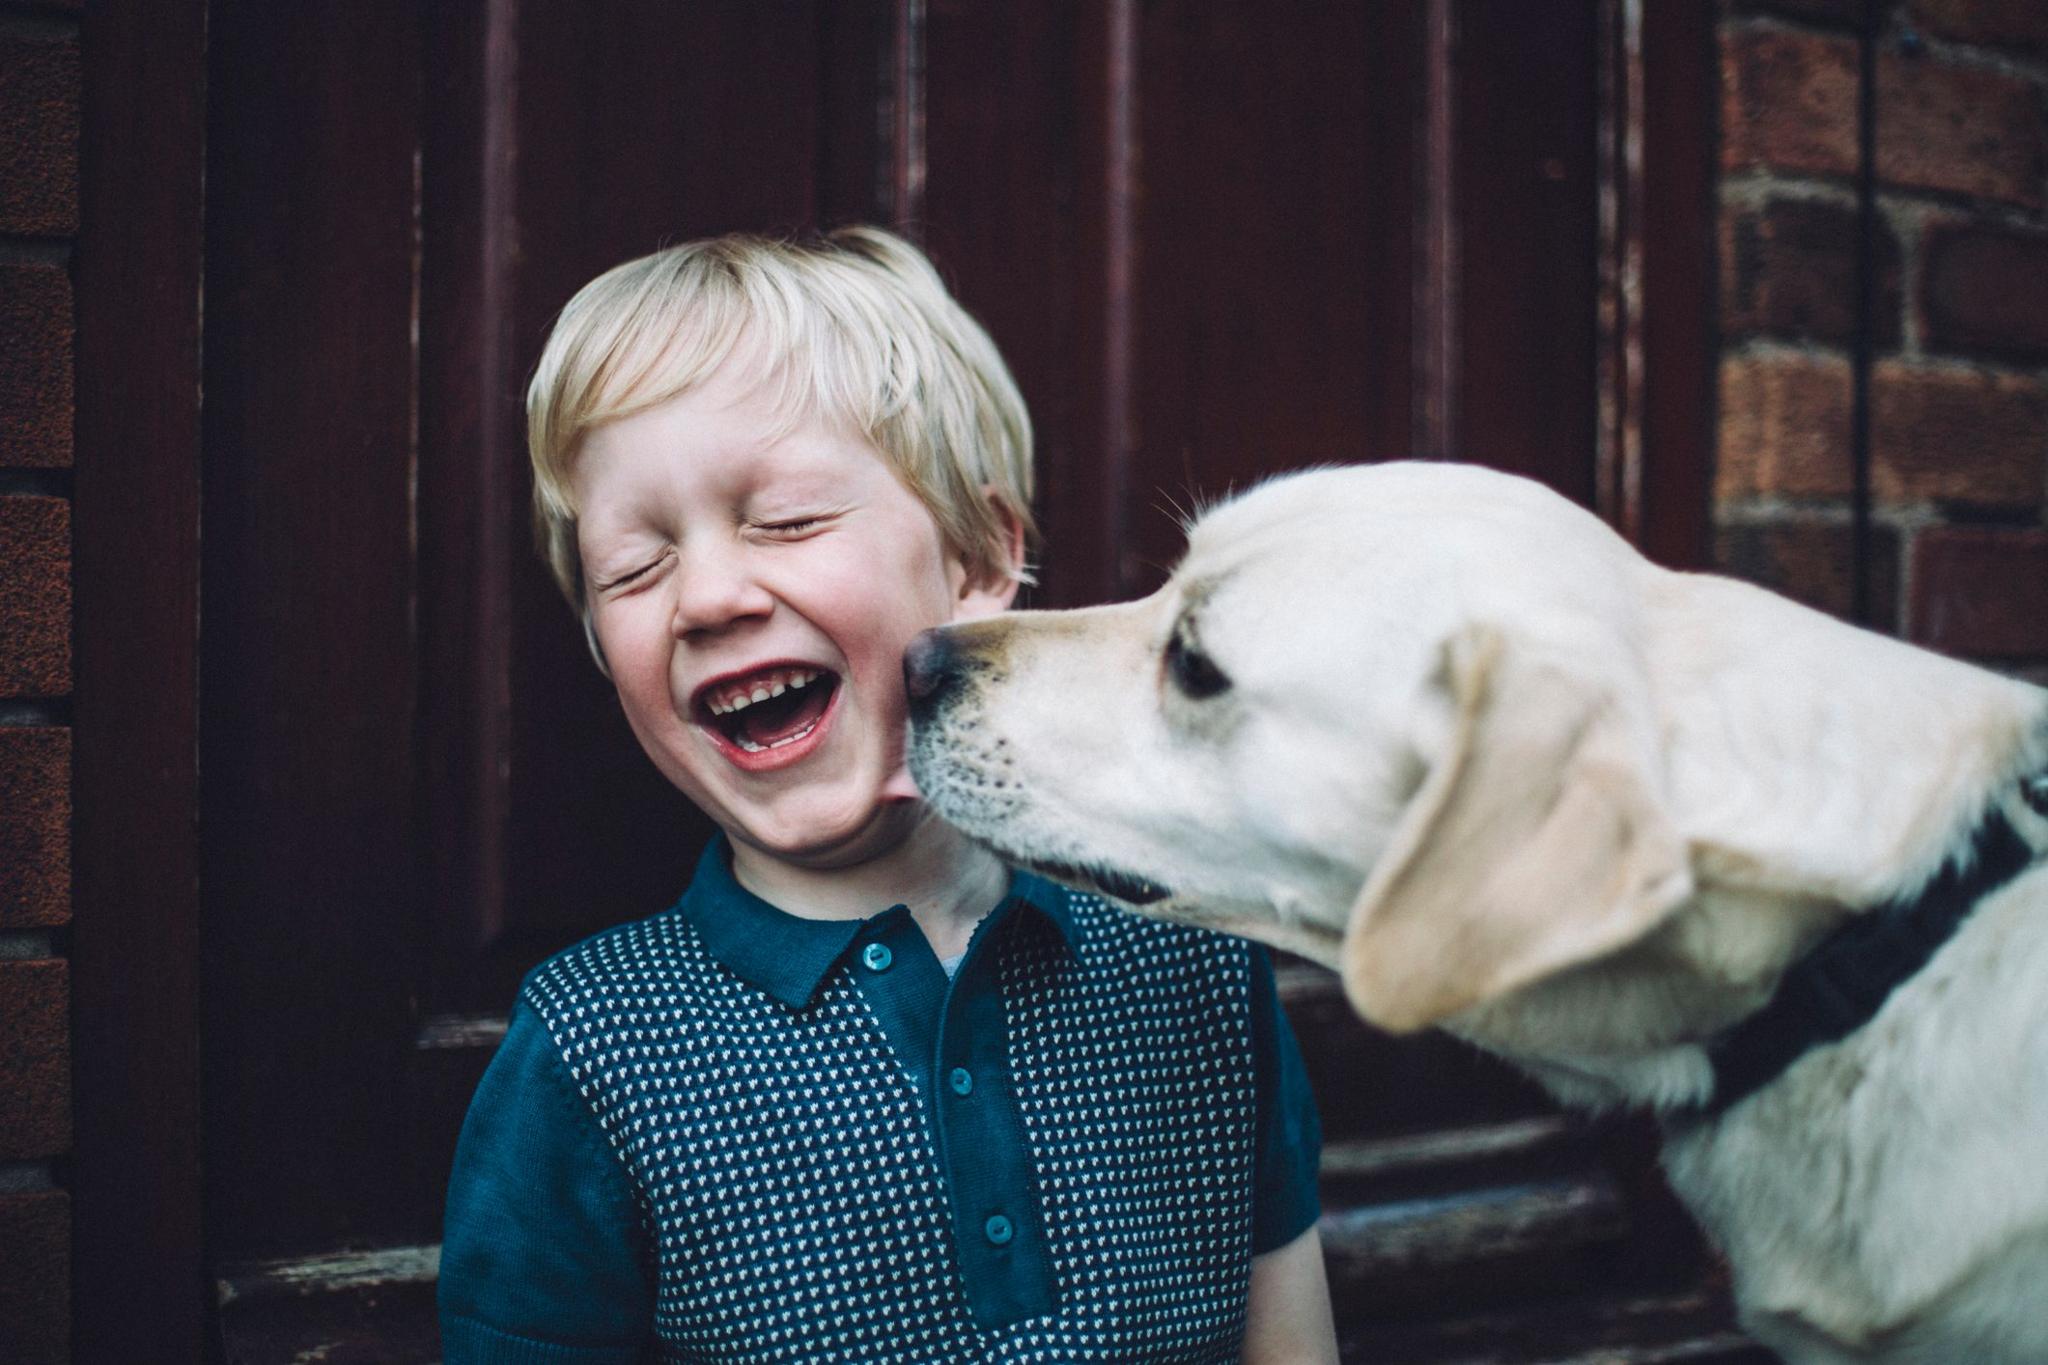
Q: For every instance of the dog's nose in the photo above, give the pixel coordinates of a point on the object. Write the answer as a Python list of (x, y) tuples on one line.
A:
[(931, 665)]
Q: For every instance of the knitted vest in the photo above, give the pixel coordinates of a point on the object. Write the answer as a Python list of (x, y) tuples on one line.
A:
[(793, 1200)]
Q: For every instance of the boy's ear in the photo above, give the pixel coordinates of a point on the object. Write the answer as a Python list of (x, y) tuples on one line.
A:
[(990, 592)]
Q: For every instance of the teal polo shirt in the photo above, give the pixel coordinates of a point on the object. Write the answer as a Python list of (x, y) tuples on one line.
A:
[(548, 1249)]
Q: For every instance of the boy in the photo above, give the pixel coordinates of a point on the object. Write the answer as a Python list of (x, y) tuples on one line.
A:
[(864, 1093)]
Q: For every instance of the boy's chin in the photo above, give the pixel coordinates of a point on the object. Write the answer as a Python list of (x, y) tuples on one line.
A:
[(827, 844)]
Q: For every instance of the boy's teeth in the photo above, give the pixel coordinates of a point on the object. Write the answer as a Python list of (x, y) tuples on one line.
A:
[(753, 748), (774, 685), (791, 739)]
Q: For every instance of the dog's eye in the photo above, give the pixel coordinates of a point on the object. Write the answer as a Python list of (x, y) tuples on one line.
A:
[(1192, 671)]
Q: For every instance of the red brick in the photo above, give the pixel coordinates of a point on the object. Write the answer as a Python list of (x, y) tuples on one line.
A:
[(1814, 563), (1981, 593), (1959, 436), (35, 1058), (1984, 291), (35, 597), (1960, 129), (1784, 427), (1788, 101), (35, 365), (35, 826), (2019, 25), (1789, 98), (35, 1277), (39, 97), (1788, 270)]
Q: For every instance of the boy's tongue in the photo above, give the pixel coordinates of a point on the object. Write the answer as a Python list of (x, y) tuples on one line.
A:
[(779, 717)]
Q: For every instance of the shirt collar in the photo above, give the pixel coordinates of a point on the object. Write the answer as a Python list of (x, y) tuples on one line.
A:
[(790, 956)]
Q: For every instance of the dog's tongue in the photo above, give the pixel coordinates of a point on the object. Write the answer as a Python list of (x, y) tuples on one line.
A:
[(780, 717)]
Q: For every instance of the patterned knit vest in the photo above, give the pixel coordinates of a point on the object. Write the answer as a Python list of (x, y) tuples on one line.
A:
[(794, 1203)]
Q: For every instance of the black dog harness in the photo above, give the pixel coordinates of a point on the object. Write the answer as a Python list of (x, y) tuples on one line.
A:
[(1839, 986)]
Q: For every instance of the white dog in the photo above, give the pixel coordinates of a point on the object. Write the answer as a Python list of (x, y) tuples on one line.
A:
[(1445, 732)]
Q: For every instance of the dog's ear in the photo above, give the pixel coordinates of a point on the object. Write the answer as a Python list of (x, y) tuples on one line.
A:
[(1536, 842)]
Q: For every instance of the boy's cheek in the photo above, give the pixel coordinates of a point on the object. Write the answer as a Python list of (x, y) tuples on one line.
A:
[(975, 605)]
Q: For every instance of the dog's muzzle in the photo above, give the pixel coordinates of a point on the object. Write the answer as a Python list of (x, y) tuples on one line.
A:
[(933, 666), (968, 788)]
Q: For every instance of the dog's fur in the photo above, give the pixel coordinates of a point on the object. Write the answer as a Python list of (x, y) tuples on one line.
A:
[(1506, 776)]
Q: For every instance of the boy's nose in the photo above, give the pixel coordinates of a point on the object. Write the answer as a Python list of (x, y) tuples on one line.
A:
[(931, 668), (713, 590)]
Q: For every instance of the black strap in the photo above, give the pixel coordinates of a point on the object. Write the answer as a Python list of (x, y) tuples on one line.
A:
[(2034, 791), (1839, 986)]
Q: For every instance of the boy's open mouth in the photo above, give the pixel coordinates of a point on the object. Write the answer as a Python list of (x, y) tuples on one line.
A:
[(769, 709)]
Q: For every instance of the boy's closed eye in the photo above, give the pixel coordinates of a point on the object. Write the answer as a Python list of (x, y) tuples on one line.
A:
[(638, 575), (796, 526)]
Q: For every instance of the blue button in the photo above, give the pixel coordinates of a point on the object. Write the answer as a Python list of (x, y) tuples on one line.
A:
[(999, 1230), (961, 1082), (877, 957)]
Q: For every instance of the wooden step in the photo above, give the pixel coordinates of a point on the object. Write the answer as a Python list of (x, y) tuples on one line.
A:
[(1379, 1158), (1528, 1271), (1405, 1166), (1466, 1230), (1693, 1328), (376, 1308), (344, 1308), (1367, 1082)]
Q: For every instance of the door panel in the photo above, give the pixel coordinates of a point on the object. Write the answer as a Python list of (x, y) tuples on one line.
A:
[(1274, 251), (307, 666), (1522, 158), (1013, 218), (1215, 242)]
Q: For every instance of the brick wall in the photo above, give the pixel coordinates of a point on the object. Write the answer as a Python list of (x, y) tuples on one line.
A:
[(1958, 553), (39, 122)]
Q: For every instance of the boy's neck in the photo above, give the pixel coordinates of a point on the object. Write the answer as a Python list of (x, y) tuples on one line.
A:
[(949, 882)]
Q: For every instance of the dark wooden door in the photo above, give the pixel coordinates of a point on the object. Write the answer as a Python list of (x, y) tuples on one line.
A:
[(1215, 240)]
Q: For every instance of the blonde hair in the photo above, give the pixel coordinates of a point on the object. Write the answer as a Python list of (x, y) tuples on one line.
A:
[(855, 326)]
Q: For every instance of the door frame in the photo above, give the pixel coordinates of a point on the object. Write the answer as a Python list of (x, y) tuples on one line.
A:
[(139, 1275)]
